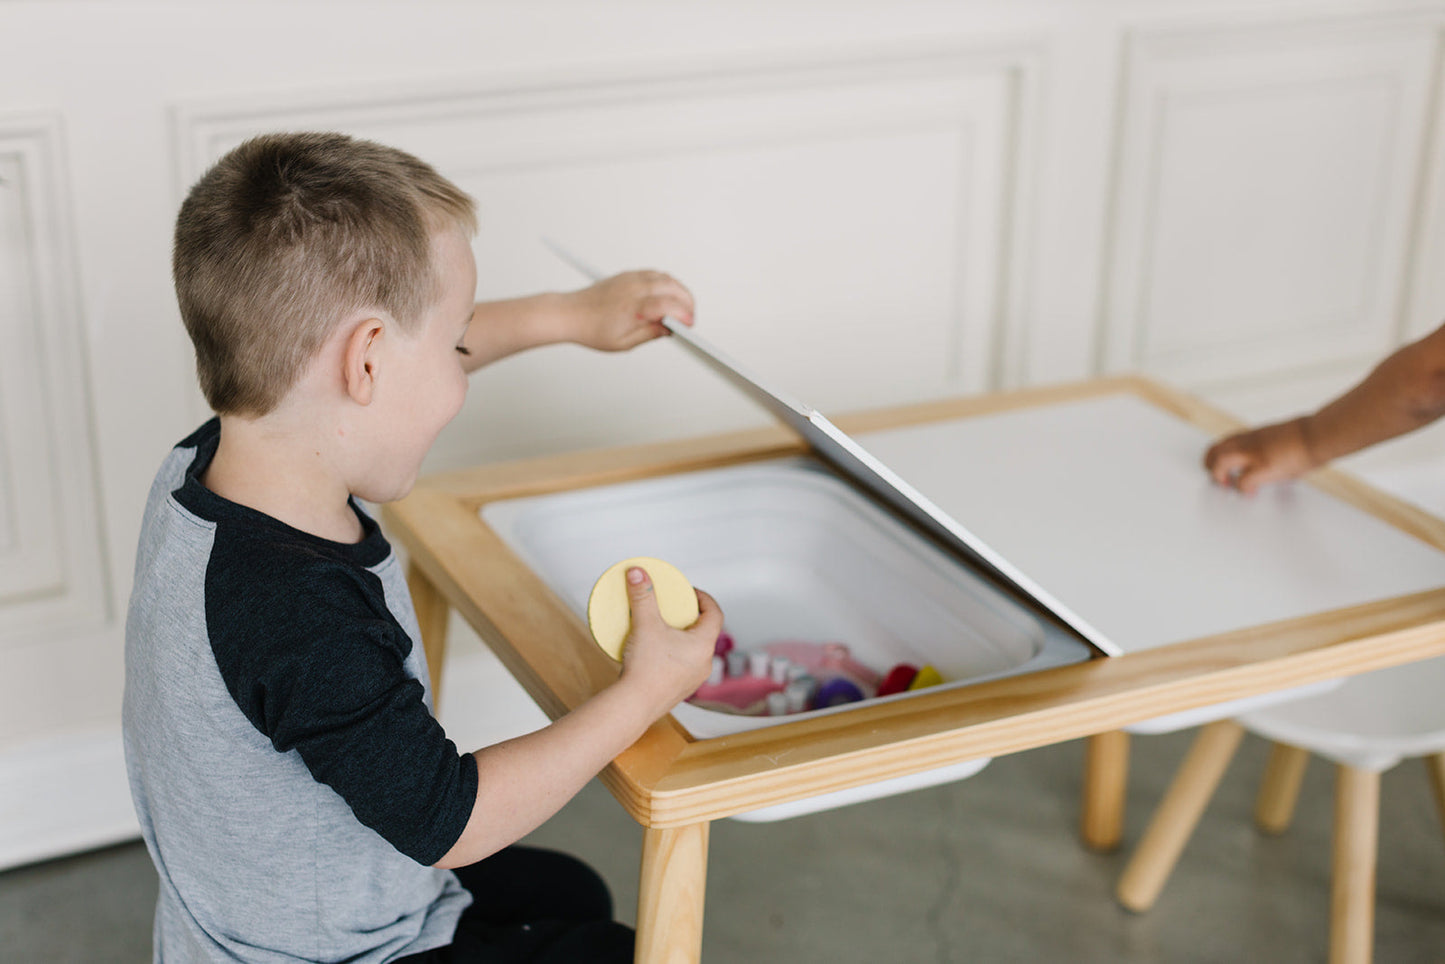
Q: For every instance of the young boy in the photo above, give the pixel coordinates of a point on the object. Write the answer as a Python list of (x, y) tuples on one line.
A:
[(298, 798), (1404, 392)]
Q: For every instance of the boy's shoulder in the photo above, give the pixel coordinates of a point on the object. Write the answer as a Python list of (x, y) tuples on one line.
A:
[(256, 571), (276, 609)]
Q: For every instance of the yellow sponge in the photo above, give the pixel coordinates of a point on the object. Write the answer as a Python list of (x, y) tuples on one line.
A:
[(610, 617)]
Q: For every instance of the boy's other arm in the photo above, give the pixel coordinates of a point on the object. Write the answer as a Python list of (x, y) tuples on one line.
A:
[(522, 782), (1404, 392), (614, 314)]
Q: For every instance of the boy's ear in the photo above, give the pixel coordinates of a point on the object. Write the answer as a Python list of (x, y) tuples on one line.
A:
[(359, 361)]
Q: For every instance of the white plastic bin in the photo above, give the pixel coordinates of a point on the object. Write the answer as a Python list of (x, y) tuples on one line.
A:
[(790, 552)]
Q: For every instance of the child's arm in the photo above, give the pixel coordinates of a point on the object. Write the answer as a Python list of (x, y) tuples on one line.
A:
[(522, 782), (614, 314), (1403, 393)]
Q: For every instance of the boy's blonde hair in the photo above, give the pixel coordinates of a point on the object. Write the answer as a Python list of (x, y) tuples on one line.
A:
[(286, 235)]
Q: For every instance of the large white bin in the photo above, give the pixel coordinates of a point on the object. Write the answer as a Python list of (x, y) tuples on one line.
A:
[(792, 552)]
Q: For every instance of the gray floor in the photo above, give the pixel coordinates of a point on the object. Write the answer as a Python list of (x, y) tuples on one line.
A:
[(987, 869)]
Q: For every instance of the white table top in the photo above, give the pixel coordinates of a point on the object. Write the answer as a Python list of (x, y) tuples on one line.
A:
[(1105, 504)]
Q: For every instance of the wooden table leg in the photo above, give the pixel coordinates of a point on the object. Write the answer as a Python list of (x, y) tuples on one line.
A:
[(1352, 890), (1106, 782), (1279, 791), (432, 613), (670, 897), (1178, 812), (1435, 767)]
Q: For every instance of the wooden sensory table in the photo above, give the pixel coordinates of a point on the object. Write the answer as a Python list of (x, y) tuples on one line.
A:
[(674, 785)]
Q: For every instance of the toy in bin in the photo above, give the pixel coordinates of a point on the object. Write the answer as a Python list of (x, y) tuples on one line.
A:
[(779, 678), (794, 676)]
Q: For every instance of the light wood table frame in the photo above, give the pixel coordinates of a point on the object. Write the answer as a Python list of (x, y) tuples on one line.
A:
[(674, 785)]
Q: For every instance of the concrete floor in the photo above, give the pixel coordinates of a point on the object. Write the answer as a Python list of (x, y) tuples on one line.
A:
[(986, 869)]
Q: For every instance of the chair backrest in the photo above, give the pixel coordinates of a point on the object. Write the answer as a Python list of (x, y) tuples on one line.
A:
[(1183, 720)]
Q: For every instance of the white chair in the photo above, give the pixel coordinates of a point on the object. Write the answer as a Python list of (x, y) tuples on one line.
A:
[(1366, 726), (1106, 761)]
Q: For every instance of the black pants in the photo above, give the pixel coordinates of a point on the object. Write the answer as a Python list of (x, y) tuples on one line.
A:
[(535, 906)]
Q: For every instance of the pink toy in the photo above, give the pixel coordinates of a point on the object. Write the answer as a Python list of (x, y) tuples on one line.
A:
[(825, 660), (790, 676), (737, 694)]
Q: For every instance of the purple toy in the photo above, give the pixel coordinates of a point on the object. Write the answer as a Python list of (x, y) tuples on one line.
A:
[(836, 692)]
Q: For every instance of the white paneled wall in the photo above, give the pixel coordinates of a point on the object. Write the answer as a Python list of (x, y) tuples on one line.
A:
[(1267, 183), (860, 201), (51, 548), (874, 202)]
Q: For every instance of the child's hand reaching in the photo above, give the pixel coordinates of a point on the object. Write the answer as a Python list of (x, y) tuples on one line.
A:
[(627, 309), (1271, 453), (669, 664)]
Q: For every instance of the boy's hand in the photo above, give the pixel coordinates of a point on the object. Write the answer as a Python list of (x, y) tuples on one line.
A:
[(625, 310), (1271, 453), (670, 664)]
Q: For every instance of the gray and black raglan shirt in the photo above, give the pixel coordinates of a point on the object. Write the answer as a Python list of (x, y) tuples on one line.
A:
[(292, 784)]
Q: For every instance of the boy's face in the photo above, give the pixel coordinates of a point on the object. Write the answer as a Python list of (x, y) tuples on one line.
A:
[(423, 385)]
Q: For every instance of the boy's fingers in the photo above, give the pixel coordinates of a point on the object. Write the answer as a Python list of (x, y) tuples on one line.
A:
[(641, 599), (655, 307), (709, 615), (666, 286), (680, 297)]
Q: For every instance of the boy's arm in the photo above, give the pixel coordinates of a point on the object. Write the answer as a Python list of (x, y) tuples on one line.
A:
[(522, 782), (614, 314), (1403, 393)]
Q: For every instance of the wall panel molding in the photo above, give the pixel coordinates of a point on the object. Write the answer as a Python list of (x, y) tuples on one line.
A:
[(833, 215), (52, 570), (1427, 264), (1265, 197)]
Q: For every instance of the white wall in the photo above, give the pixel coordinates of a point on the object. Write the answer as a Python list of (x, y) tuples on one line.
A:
[(874, 202)]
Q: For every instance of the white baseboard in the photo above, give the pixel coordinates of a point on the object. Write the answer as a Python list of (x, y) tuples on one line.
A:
[(63, 794)]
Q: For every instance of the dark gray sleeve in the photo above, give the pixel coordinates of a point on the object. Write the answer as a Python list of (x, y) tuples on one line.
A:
[(316, 662)]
